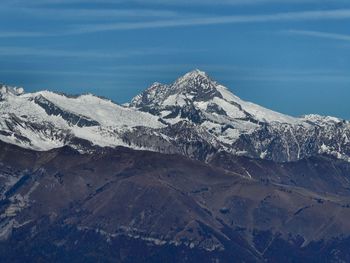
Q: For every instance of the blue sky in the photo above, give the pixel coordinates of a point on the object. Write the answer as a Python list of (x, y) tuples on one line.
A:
[(292, 56)]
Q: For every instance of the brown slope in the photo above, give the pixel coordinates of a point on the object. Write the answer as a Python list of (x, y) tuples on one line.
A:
[(165, 200)]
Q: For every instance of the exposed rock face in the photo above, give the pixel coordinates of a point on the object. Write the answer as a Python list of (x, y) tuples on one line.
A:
[(241, 127)]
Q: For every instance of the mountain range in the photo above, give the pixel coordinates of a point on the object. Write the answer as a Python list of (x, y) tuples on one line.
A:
[(213, 119), (186, 172)]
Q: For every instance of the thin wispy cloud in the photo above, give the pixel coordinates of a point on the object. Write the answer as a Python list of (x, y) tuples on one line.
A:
[(57, 72), (226, 2), (16, 34), (236, 73), (92, 14), (319, 34), (88, 54), (171, 2), (290, 74), (239, 73), (179, 21), (337, 14)]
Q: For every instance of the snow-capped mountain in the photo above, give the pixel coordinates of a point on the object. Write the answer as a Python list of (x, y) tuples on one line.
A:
[(46, 120), (243, 127), (195, 116), (196, 90)]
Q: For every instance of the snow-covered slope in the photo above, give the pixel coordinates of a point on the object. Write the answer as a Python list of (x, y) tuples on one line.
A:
[(103, 111), (46, 120), (195, 116)]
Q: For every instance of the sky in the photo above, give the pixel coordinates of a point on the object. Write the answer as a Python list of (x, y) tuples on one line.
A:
[(292, 56)]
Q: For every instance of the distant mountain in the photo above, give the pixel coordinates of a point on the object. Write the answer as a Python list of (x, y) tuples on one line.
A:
[(195, 116), (242, 127)]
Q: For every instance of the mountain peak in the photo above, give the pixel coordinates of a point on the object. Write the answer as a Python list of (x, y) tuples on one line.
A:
[(195, 73), (195, 85), (196, 94), (4, 89)]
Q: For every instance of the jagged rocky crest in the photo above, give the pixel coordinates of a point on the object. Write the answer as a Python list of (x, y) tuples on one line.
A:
[(195, 116)]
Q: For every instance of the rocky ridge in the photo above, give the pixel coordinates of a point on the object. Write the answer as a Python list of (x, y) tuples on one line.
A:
[(211, 117)]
